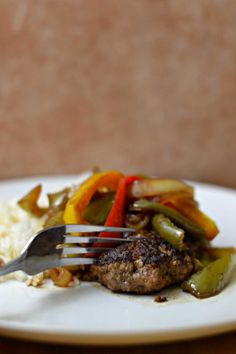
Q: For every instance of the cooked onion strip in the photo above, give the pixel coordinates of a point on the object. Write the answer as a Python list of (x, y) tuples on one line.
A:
[(61, 277), (30, 202), (154, 187)]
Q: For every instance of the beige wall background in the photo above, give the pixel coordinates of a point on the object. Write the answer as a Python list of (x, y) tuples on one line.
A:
[(136, 85)]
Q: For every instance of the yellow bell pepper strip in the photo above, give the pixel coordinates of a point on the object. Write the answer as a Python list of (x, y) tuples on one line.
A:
[(189, 209), (76, 205), (210, 280)]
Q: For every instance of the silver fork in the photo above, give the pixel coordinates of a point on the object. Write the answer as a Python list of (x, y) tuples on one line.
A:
[(54, 246)]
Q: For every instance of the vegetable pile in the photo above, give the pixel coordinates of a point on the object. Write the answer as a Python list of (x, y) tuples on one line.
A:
[(166, 206)]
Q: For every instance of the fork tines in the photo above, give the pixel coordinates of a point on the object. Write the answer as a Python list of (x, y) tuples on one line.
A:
[(90, 239), (95, 228), (68, 248), (75, 245)]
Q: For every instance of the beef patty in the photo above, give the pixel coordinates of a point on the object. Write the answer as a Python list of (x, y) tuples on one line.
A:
[(143, 266)]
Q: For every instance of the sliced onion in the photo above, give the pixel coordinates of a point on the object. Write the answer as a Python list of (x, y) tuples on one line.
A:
[(30, 202), (58, 198), (155, 187), (61, 277), (57, 203), (137, 221), (54, 217)]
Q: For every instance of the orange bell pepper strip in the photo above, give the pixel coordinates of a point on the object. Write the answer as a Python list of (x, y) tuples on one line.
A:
[(188, 207), (200, 219), (78, 202)]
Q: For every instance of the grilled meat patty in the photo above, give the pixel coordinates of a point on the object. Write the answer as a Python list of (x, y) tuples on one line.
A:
[(143, 266)]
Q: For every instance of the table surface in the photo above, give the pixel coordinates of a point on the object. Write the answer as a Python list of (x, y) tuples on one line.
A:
[(219, 344)]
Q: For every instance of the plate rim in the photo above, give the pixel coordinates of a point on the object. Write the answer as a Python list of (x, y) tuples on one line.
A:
[(116, 339)]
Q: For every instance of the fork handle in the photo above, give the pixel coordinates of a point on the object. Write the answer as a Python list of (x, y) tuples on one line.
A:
[(11, 266)]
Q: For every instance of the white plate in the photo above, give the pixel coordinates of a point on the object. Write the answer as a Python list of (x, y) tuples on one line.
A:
[(90, 314)]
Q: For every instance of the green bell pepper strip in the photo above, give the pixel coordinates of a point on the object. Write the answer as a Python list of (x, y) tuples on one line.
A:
[(204, 258), (96, 212), (210, 280), (178, 219), (209, 254), (168, 231)]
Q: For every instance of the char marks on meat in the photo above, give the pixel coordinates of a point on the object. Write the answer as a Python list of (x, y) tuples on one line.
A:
[(143, 266)]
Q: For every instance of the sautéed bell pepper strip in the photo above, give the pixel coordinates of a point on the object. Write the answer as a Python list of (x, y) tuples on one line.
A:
[(177, 218), (117, 213), (76, 205), (168, 231), (190, 210), (210, 280), (97, 211)]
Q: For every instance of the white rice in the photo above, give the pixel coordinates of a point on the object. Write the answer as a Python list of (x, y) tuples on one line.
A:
[(16, 228)]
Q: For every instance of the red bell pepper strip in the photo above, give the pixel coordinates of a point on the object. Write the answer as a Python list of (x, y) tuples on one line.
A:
[(117, 213)]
